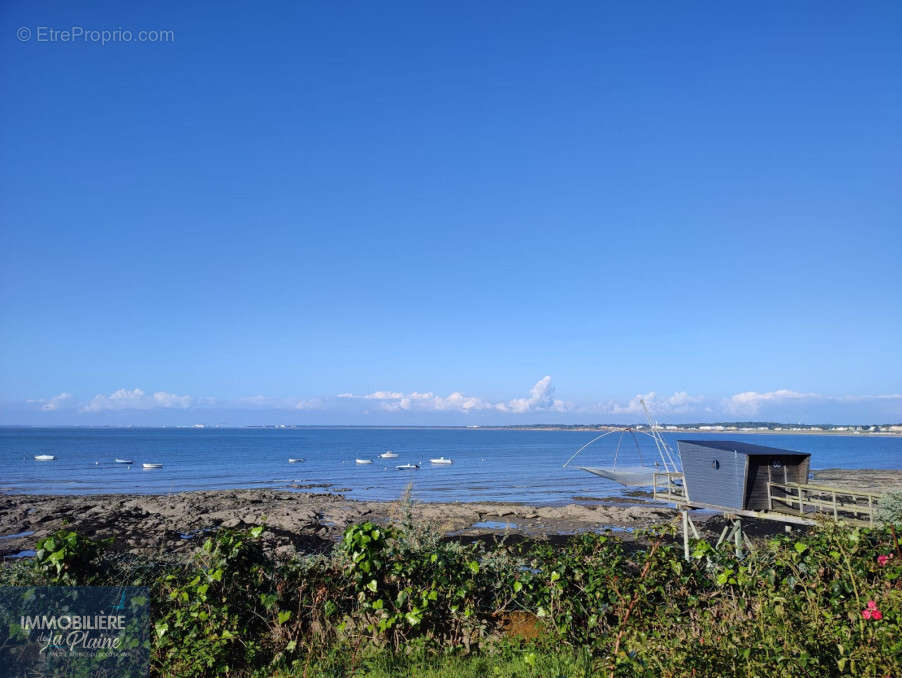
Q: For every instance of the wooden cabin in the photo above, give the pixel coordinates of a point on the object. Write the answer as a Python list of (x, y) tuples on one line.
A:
[(731, 474)]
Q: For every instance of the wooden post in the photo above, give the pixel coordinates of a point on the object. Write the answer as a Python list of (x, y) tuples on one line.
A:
[(685, 513), (737, 536), (692, 527), (800, 500), (835, 516), (722, 535), (871, 509)]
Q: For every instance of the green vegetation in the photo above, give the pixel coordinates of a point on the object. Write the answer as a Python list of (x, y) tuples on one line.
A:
[(402, 601), (889, 511)]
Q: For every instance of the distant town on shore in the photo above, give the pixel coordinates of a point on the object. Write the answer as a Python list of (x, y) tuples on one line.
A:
[(717, 427), (733, 427)]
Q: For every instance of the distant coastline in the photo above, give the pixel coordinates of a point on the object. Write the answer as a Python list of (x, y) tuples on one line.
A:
[(849, 432), (875, 430)]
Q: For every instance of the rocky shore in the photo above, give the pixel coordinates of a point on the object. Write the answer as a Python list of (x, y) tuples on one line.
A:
[(305, 522), (294, 521)]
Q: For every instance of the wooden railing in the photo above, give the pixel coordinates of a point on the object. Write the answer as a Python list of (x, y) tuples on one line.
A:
[(669, 487), (804, 499)]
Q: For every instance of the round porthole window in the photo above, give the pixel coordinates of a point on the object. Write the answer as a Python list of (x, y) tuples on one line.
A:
[(715, 464)]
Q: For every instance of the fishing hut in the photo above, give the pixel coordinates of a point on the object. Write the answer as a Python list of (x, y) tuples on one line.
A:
[(742, 480)]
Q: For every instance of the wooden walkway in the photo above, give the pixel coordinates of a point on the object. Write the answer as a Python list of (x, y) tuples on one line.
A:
[(786, 502)]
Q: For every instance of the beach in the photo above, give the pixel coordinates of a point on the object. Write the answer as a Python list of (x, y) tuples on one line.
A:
[(298, 522), (295, 522)]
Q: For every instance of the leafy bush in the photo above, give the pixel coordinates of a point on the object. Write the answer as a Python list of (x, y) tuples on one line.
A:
[(889, 510), (213, 615), (67, 558), (398, 599)]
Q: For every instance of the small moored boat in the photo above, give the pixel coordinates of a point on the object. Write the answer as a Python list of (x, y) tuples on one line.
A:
[(149, 466), (441, 460), (388, 454), (124, 461), (293, 460), (408, 467), (364, 461), (44, 457)]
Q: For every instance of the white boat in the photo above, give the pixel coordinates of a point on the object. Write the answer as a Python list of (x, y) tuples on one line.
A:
[(124, 461), (388, 454), (408, 467), (292, 460), (44, 457), (441, 460), (149, 466), (364, 461)]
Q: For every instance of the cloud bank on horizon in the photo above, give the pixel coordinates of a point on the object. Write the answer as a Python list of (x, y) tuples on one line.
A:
[(540, 403)]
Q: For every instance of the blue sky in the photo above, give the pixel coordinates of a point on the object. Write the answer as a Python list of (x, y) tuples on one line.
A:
[(404, 213)]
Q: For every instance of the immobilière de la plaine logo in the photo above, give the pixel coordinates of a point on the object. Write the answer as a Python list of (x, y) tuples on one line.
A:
[(100, 632), (95, 630)]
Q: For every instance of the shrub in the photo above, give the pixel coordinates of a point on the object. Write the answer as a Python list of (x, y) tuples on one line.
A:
[(67, 558), (826, 603), (889, 510)]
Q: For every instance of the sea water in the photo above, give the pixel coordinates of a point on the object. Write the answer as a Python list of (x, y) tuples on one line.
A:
[(489, 465)]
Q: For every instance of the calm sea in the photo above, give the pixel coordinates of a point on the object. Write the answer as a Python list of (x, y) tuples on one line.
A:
[(489, 465)]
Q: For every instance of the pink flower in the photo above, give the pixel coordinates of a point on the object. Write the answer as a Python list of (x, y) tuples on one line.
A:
[(883, 560), (871, 611)]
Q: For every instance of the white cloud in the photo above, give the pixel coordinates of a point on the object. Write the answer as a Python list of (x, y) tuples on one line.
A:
[(540, 399), (262, 402), (136, 399), (750, 402), (678, 403), (162, 399), (54, 403), (309, 404)]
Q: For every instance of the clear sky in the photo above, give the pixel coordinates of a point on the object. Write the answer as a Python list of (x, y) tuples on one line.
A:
[(414, 213)]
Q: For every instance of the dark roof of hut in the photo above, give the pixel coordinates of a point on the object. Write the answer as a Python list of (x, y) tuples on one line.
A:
[(741, 448)]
